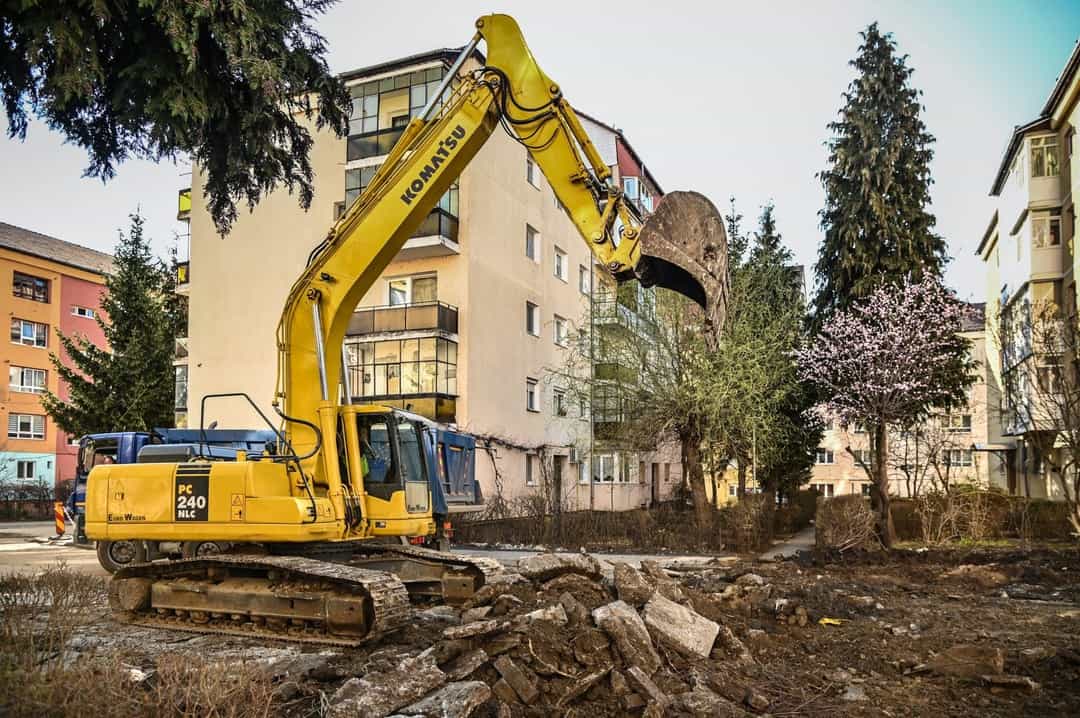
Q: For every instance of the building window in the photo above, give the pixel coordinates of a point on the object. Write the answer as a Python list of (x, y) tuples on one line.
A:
[(630, 188), (532, 243), (560, 330), (607, 404), (559, 401), (584, 279), (1049, 378), (26, 286), (31, 334), (561, 264), (583, 406), (530, 171), (24, 469), (26, 426), (356, 181), (825, 456), (583, 471), (606, 469), (180, 387), (412, 290), (732, 490), (860, 428), (532, 319), (823, 489), (1044, 157), (1046, 231), (958, 422), (26, 379), (85, 312), (956, 457), (403, 367), (530, 478), (532, 395), (862, 456)]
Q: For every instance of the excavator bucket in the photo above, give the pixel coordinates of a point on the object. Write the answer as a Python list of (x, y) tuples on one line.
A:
[(683, 248)]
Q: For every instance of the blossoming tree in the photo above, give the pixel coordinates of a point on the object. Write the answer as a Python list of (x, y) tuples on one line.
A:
[(885, 363)]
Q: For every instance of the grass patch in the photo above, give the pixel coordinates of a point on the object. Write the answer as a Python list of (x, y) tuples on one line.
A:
[(41, 676)]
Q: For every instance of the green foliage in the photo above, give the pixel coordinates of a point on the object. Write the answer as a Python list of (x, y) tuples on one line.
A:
[(227, 82), (129, 385), (877, 186)]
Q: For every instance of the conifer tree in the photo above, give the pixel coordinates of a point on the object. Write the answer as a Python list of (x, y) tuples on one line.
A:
[(232, 84), (128, 385), (877, 186)]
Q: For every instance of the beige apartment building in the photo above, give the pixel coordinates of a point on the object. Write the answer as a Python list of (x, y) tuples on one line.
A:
[(949, 449), (1030, 259), (467, 326)]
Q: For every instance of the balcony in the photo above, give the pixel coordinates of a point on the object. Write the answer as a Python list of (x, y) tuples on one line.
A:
[(183, 205), (421, 316), (437, 236), (417, 374), (183, 274), (372, 144)]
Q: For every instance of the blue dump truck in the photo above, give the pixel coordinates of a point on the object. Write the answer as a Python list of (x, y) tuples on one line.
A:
[(451, 464)]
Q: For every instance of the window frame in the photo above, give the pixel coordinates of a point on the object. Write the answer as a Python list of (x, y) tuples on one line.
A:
[(25, 469), (584, 279), (22, 387), (827, 453), (561, 264), (558, 402), (532, 395), (532, 319), (22, 326), (77, 310), (559, 327), (410, 280), (532, 243), (29, 434), (1047, 147), (1052, 239), (33, 283), (531, 170)]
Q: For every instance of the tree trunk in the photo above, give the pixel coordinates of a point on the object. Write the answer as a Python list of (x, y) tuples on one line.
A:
[(742, 477), (695, 478), (879, 492)]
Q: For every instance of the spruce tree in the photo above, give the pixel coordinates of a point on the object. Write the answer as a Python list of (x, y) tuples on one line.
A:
[(877, 186), (127, 386), (738, 242)]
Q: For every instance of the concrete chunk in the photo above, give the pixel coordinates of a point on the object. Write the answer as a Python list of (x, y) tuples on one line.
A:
[(549, 565), (555, 614), (454, 700), (466, 664), (631, 586), (620, 621), (679, 627), (469, 630), (378, 694), (521, 683), (645, 686)]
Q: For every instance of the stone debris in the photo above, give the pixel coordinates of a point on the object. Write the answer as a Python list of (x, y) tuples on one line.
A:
[(549, 565), (730, 642), (679, 627), (1033, 656), (472, 615), (667, 586), (523, 686), (968, 661), (466, 664), (378, 694), (853, 693), (645, 686), (631, 586), (454, 700), (471, 630), (576, 613), (1006, 680), (555, 614), (757, 700), (620, 621), (982, 576), (504, 604), (581, 686)]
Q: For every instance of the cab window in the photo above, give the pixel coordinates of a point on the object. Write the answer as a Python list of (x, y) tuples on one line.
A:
[(412, 461)]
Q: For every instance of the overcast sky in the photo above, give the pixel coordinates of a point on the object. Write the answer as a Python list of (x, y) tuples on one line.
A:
[(724, 98)]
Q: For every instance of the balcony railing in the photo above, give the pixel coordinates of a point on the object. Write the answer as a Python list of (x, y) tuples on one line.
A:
[(439, 223), (373, 144), (183, 273), (405, 317)]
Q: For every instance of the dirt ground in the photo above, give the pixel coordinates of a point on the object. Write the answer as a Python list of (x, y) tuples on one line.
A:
[(861, 635)]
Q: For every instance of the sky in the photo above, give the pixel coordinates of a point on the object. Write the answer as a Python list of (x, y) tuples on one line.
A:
[(729, 99)]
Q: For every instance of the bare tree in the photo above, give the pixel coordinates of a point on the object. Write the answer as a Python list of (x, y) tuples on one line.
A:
[(1041, 381)]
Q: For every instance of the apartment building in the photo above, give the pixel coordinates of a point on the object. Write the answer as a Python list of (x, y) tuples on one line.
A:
[(467, 326), (947, 450), (1030, 261), (55, 286)]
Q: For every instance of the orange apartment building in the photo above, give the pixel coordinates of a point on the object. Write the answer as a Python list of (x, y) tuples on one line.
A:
[(49, 285)]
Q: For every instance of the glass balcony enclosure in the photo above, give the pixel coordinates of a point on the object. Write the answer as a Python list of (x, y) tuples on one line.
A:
[(381, 109)]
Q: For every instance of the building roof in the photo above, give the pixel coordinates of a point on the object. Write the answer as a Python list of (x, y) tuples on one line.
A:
[(1040, 123), (629, 147), (988, 233), (36, 244), (1072, 66), (445, 54)]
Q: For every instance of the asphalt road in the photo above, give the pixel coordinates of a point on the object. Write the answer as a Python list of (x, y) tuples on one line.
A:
[(24, 546)]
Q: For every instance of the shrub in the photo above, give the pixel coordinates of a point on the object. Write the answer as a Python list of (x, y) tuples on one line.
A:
[(844, 523)]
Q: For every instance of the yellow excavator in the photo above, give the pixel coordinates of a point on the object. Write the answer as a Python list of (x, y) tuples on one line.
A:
[(305, 516)]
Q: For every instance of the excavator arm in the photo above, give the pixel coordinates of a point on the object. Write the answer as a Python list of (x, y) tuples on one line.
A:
[(686, 252)]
